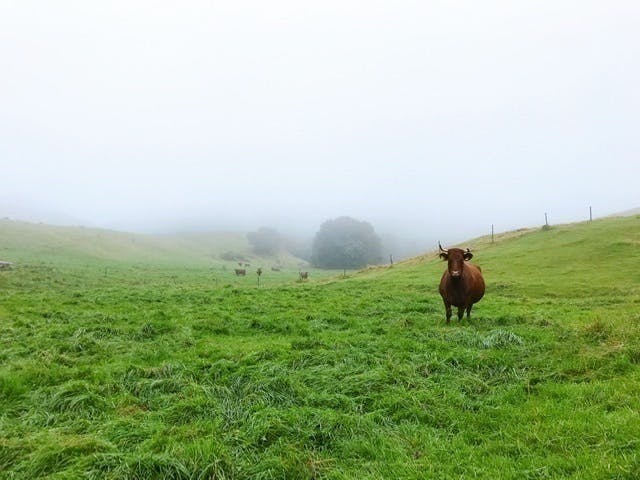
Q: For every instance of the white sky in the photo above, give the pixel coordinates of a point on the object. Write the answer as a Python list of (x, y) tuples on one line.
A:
[(436, 118)]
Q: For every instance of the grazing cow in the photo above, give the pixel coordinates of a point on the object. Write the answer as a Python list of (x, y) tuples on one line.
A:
[(462, 284), (275, 269), (304, 275), (240, 272)]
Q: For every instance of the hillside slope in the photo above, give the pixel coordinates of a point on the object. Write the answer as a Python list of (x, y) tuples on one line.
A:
[(596, 258), (28, 242)]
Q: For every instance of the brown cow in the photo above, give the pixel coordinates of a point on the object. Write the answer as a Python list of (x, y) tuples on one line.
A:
[(462, 284), (240, 272), (304, 275)]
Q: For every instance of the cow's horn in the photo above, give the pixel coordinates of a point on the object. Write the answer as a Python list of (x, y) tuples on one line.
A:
[(441, 249)]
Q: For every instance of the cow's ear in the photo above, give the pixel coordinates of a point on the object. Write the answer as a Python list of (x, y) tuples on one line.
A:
[(444, 256), (468, 255)]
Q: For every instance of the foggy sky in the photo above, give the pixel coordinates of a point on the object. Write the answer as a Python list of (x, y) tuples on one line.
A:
[(431, 118)]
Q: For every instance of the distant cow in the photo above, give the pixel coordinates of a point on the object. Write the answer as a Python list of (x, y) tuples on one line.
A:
[(275, 269), (240, 272), (304, 275), (462, 284)]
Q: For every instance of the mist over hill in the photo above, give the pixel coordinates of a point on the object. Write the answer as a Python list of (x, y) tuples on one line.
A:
[(627, 213), (404, 234), (21, 209), (199, 239)]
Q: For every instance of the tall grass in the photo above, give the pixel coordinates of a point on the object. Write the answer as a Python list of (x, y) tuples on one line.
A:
[(157, 372)]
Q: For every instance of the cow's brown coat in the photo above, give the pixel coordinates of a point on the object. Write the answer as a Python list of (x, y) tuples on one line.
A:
[(462, 283)]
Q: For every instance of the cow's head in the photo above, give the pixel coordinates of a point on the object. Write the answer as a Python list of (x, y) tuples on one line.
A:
[(455, 258)]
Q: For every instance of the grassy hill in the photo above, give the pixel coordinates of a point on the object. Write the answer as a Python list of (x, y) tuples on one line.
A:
[(160, 373), (29, 242)]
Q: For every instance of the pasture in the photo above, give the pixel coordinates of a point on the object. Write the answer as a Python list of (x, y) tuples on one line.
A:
[(117, 369)]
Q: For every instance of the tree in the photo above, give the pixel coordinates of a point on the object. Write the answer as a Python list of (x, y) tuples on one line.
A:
[(266, 241), (346, 243)]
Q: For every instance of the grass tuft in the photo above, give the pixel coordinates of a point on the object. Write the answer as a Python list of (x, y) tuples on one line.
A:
[(502, 339)]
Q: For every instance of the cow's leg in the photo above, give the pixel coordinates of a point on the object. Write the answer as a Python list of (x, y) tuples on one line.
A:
[(469, 311), (447, 307), (460, 313)]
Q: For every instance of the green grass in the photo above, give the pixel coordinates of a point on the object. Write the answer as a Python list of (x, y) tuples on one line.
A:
[(115, 369)]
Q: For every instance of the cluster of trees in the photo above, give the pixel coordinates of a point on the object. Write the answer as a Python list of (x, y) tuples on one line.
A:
[(340, 243), (346, 243)]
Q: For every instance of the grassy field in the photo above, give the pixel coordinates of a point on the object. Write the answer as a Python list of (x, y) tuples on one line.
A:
[(111, 368)]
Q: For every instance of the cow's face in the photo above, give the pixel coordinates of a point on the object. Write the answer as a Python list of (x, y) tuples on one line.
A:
[(455, 258)]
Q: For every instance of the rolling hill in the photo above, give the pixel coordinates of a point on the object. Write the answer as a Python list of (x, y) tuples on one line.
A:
[(28, 242)]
